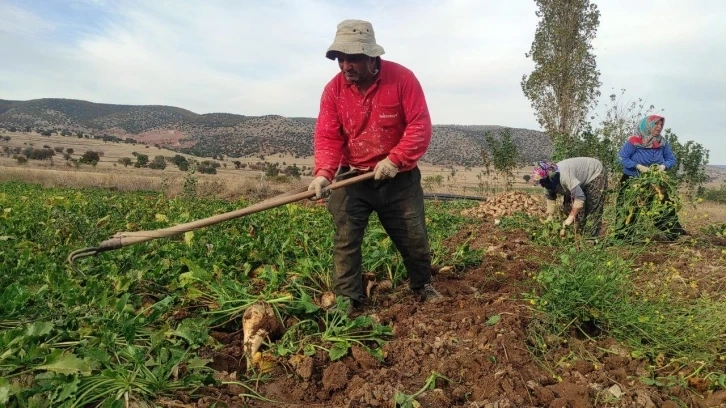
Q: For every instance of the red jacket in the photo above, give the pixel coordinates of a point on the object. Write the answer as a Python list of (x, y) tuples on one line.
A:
[(392, 119)]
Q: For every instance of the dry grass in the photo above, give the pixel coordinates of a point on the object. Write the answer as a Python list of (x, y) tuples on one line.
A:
[(695, 217), (224, 186), (228, 183)]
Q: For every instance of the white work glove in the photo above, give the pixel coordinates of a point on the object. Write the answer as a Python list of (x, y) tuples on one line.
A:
[(661, 167), (568, 221), (318, 185), (642, 169), (551, 205), (385, 169)]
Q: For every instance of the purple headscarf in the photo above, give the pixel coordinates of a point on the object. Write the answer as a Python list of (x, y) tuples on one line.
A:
[(542, 170)]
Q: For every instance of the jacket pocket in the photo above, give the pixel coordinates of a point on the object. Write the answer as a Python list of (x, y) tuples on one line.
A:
[(389, 115)]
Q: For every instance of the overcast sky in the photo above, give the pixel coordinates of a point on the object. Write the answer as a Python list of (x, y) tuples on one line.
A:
[(268, 57)]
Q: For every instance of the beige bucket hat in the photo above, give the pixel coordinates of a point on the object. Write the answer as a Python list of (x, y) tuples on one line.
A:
[(355, 37)]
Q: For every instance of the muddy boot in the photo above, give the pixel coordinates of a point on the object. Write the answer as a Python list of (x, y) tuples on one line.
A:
[(353, 309), (350, 310), (427, 294)]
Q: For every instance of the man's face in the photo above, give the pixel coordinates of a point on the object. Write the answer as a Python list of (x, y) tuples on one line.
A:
[(356, 67)]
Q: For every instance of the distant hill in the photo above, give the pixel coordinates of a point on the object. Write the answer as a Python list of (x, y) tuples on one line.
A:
[(236, 135)]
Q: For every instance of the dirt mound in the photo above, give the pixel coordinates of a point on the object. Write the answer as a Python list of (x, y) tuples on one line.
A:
[(508, 203)]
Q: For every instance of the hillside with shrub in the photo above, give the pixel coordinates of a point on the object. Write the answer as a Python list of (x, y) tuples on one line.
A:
[(234, 135)]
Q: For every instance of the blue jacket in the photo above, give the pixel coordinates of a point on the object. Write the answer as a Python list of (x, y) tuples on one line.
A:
[(633, 153)]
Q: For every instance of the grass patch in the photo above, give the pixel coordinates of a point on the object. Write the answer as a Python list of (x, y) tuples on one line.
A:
[(590, 291)]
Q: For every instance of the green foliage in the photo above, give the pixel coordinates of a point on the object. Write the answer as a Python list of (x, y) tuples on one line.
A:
[(130, 322), (691, 161), (591, 289), (142, 160), (504, 154), (90, 157), (293, 171), (429, 182), (718, 230), (191, 183), (272, 169), (403, 400), (39, 154), (339, 333), (643, 204), (181, 162), (207, 167), (540, 232), (563, 87), (588, 143), (717, 195), (159, 163)]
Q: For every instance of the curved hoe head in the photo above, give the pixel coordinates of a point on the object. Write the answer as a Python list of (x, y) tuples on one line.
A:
[(82, 253)]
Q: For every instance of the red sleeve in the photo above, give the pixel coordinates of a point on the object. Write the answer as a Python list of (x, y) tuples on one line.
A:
[(328, 140), (417, 135)]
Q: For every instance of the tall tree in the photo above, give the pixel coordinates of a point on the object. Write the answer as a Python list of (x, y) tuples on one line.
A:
[(504, 154), (563, 87)]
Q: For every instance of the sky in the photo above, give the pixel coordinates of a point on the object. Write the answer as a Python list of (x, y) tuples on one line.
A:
[(268, 57)]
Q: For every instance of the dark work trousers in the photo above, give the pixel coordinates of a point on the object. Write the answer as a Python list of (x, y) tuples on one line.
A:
[(399, 204), (589, 219), (667, 223)]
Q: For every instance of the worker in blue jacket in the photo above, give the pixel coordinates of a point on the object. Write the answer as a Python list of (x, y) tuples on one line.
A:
[(638, 155)]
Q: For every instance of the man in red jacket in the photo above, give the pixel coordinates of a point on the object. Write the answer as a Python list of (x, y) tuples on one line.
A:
[(373, 116)]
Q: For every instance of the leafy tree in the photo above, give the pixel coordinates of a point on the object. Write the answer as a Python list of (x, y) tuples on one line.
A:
[(41, 154), (90, 157), (292, 171), (126, 161), (142, 160), (159, 163), (272, 170), (588, 143), (691, 161), (207, 167), (563, 87), (69, 150), (180, 161), (504, 154)]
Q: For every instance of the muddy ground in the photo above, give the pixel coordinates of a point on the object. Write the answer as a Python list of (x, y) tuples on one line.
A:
[(505, 364)]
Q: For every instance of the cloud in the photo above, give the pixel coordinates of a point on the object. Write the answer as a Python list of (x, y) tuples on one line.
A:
[(17, 22), (259, 58)]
